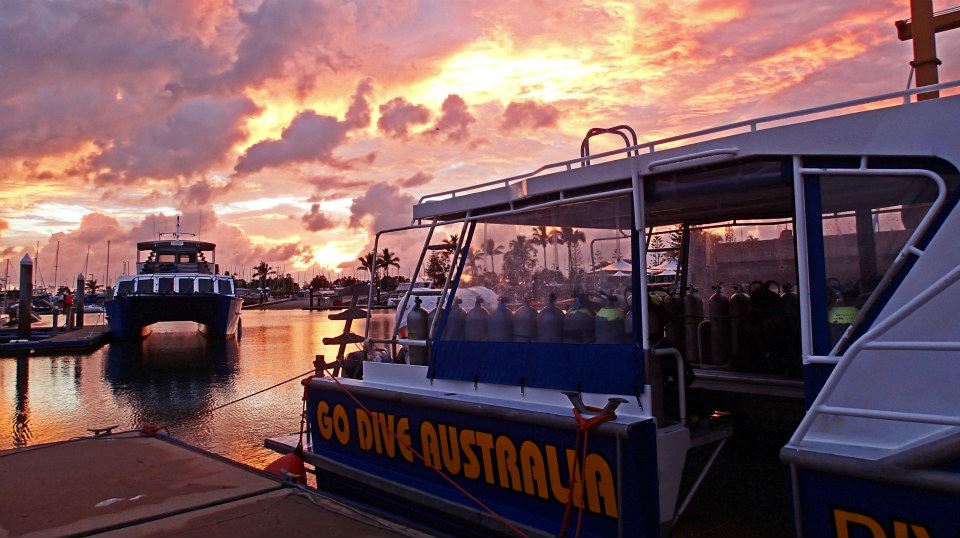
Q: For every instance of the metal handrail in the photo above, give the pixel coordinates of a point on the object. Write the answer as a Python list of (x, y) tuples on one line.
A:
[(753, 124)]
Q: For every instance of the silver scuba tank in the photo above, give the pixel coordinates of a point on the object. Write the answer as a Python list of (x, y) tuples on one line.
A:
[(525, 323), (455, 322), (417, 326), (693, 315), (739, 320), (719, 314), (476, 323), (578, 324), (500, 325), (608, 324), (673, 324), (550, 322)]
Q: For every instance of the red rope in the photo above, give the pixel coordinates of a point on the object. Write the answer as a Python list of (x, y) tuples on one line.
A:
[(583, 433), (443, 475)]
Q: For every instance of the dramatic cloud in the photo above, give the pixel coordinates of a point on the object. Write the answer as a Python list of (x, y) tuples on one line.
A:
[(310, 137), (197, 135), (201, 192), (386, 206), (531, 114), (397, 116), (415, 180), (455, 119), (315, 221)]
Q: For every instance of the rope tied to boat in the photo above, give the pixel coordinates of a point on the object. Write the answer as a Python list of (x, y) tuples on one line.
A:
[(581, 446), (504, 521)]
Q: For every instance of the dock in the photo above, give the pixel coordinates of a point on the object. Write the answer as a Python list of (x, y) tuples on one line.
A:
[(129, 484), (54, 341)]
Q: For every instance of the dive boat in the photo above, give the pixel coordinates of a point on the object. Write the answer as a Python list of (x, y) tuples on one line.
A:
[(830, 244), (175, 282)]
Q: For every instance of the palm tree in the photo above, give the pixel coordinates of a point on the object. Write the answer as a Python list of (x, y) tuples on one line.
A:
[(387, 259), (367, 263), (452, 239), (541, 237), (571, 237), (262, 270), (93, 286), (473, 257), (491, 249), (519, 258)]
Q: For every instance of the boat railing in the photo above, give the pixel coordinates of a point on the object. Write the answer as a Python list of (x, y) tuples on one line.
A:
[(752, 124)]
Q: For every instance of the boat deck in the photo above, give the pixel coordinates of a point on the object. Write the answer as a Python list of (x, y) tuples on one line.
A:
[(132, 485)]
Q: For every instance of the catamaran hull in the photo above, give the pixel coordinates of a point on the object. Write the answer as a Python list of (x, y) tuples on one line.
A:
[(516, 461), (130, 317)]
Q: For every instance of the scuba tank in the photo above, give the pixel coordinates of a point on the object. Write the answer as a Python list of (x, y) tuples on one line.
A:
[(550, 322), (739, 323), (693, 315), (417, 326), (500, 326), (578, 324), (608, 324), (791, 308), (525, 323), (455, 322), (673, 321), (475, 322), (656, 318), (843, 310), (718, 307)]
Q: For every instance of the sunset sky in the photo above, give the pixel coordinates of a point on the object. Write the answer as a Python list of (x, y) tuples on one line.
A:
[(287, 131)]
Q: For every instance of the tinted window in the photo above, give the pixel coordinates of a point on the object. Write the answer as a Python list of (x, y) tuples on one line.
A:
[(223, 287), (166, 258), (204, 285), (166, 285), (186, 285), (145, 285), (125, 286)]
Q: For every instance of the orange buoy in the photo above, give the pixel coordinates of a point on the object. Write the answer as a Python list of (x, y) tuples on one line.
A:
[(291, 464)]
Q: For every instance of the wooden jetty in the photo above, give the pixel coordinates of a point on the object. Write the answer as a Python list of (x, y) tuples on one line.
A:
[(129, 484), (54, 342)]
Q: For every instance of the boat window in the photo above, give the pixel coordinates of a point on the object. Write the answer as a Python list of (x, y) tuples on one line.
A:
[(125, 287), (166, 258), (204, 285), (865, 222), (165, 285), (741, 306), (188, 258), (544, 297), (185, 285), (144, 285), (223, 287)]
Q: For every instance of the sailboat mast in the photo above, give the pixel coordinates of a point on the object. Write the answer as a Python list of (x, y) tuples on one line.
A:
[(56, 267), (106, 280)]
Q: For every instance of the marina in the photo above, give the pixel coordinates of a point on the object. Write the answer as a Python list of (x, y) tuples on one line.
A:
[(597, 270)]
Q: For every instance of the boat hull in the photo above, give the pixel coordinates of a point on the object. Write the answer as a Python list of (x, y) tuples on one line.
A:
[(516, 461), (130, 316), (837, 504)]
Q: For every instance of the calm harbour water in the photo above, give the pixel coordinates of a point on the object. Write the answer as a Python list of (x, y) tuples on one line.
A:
[(173, 377)]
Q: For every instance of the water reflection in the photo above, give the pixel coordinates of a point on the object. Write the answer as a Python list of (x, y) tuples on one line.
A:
[(168, 378), (21, 416)]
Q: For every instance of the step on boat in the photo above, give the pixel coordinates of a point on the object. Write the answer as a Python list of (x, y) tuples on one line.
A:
[(175, 282), (830, 248)]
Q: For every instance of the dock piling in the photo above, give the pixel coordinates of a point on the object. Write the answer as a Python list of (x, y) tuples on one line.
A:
[(24, 312), (78, 301)]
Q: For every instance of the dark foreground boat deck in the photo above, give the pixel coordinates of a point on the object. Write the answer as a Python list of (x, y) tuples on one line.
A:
[(54, 342), (132, 485)]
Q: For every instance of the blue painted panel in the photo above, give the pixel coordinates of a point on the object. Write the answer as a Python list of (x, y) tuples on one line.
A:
[(602, 368), (833, 503), (517, 468)]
